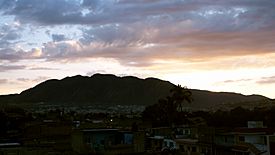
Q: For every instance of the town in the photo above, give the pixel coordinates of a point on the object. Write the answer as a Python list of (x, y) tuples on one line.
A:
[(72, 133)]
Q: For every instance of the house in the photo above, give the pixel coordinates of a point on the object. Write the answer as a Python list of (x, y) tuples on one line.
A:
[(155, 138), (183, 140), (194, 140), (154, 144), (107, 141), (251, 140), (13, 148), (53, 135)]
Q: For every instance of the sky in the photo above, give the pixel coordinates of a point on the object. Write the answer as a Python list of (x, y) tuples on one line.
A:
[(217, 45)]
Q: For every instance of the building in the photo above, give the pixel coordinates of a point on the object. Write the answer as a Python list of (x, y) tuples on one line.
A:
[(107, 141), (252, 140), (181, 140), (194, 140)]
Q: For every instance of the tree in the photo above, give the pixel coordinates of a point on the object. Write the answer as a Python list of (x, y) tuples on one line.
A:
[(165, 111), (179, 95)]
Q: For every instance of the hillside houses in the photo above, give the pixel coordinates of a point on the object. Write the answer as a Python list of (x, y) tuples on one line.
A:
[(181, 140), (62, 134)]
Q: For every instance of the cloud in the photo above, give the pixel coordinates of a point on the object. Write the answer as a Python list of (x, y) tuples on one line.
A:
[(165, 44), (137, 33), (143, 47), (6, 4), (9, 33), (36, 80), (10, 54), (237, 81), (42, 68), (40, 79), (4, 68), (46, 12), (267, 80), (23, 79), (95, 72), (3, 81), (11, 36), (205, 44), (99, 12), (58, 37), (61, 50)]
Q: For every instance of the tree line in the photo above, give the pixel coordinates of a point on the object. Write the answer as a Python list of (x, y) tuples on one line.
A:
[(168, 112)]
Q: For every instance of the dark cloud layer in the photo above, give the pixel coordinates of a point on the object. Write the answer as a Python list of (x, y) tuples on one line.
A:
[(125, 11), (138, 32)]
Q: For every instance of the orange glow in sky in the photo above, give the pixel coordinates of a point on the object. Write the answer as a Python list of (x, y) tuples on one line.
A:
[(204, 44)]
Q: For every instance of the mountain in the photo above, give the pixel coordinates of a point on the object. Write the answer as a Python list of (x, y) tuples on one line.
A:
[(102, 89), (106, 89)]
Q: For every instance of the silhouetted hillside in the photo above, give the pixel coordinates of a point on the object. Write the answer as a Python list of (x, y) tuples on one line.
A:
[(113, 90), (206, 99), (103, 89)]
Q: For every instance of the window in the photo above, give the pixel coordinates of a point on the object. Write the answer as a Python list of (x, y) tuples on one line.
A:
[(88, 140), (203, 150), (182, 148), (194, 149), (102, 142), (171, 144), (241, 138), (265, 140)]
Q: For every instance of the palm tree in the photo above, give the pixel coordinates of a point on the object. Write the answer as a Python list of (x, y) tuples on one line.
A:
[(179, 95), (165, 111)]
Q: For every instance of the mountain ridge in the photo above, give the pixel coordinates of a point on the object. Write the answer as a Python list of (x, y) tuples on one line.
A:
[(108, 89)]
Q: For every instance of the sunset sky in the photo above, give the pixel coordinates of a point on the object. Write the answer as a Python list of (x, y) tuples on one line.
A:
[(217, 45)]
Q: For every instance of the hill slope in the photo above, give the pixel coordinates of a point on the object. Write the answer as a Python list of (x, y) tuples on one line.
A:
[(112, 90), (103, 89)]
